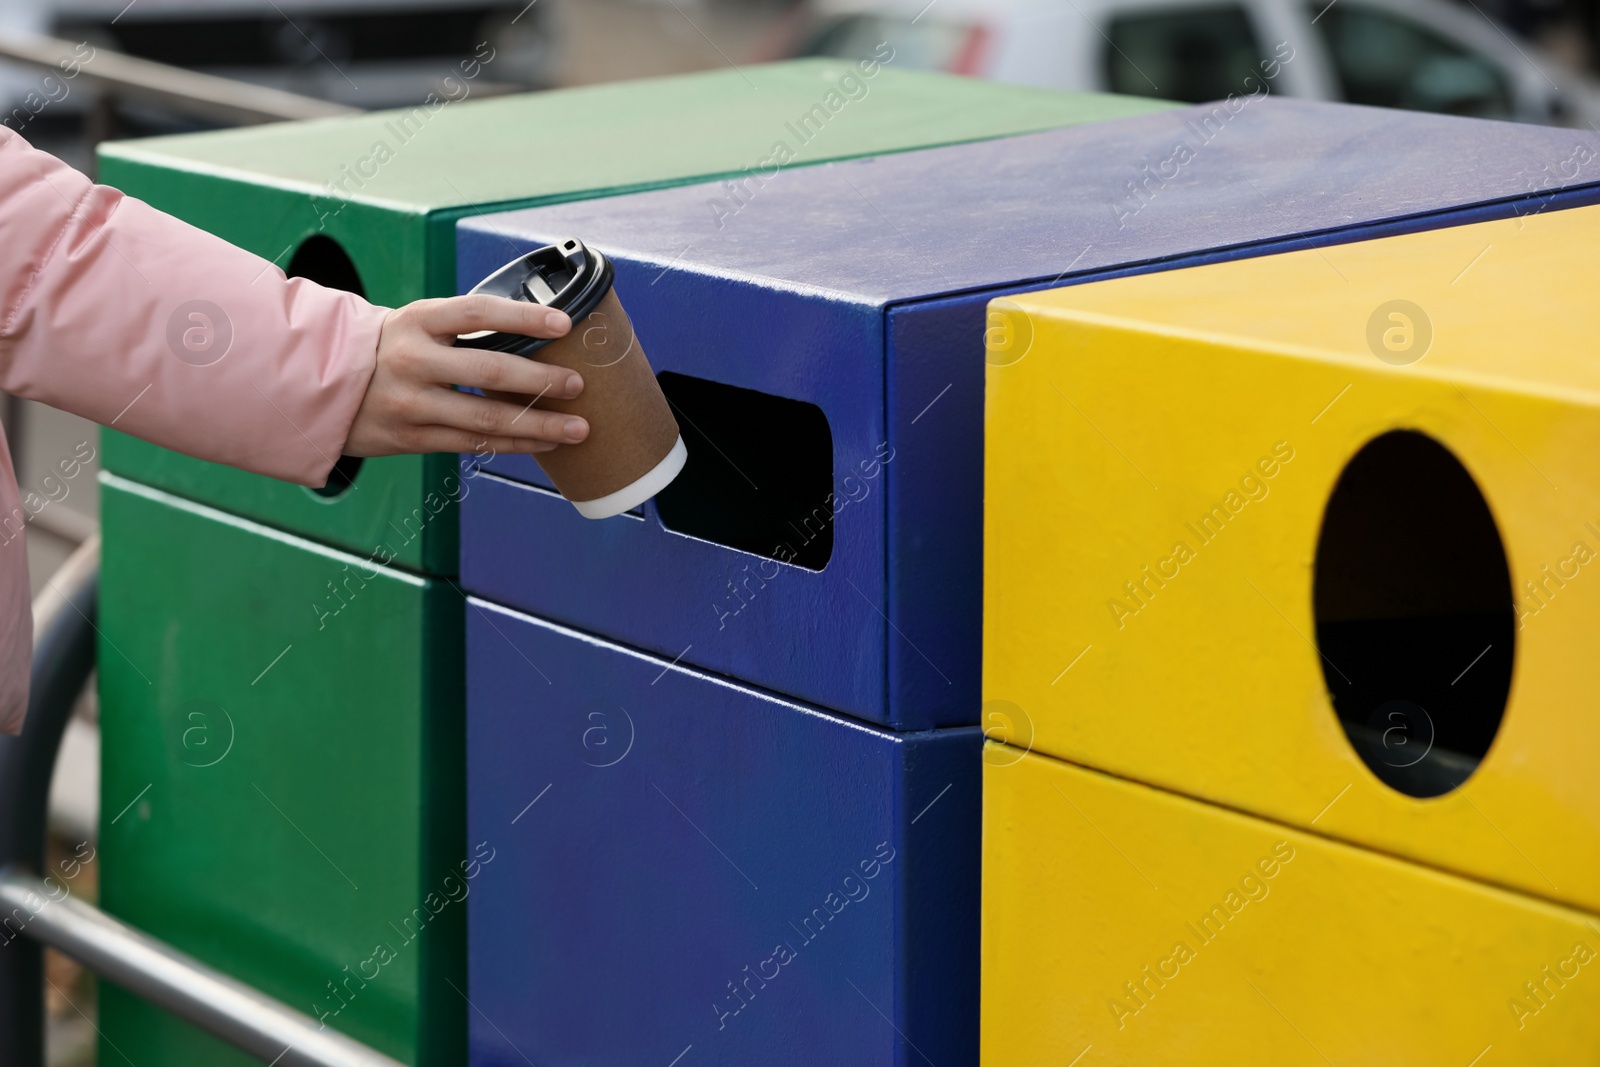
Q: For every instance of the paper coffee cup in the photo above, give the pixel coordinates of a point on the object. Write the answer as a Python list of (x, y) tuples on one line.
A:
[(634, 448)]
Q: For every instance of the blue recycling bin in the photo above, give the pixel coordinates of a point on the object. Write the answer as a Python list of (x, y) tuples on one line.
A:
[(789, 635)]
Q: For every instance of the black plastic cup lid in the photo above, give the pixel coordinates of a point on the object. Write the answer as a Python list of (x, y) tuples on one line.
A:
[(568, 276)]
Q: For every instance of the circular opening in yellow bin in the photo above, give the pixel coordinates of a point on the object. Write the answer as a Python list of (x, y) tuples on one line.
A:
[(1415, 619), (323, 261)]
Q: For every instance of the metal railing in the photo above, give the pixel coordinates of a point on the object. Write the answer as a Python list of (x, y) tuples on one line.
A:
[(63, 655), (223, 1006), (222, 100), (33, 912)]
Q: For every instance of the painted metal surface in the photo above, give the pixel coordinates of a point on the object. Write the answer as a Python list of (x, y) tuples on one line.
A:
[(861, 287), (388, 188), (1127, 925), (282, 789), (1209, 682), (682, 867)]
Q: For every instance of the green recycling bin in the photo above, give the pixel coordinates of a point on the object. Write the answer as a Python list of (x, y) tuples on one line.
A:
[(282, 776)]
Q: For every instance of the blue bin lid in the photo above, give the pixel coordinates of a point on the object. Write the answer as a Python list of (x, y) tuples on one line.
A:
[(1044, 206)]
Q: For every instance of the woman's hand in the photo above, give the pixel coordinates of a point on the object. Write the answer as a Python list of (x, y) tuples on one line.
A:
[(411, 407)]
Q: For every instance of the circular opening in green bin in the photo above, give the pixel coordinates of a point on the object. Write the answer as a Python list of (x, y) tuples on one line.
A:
[(322, 260), (341, 478), (1415, 619), (325, 262)]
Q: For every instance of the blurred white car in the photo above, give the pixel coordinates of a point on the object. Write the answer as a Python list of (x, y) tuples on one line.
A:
[(1427, 55)]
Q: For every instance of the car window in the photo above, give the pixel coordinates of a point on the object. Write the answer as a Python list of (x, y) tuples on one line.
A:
[(1194, 54), (922, 45), (1386, 60)]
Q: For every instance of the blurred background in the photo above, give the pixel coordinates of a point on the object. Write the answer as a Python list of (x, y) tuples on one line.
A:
[(1521, 60)]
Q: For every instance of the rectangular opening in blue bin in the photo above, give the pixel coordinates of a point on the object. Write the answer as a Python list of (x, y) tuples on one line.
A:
[(768, 501), (862, 288)]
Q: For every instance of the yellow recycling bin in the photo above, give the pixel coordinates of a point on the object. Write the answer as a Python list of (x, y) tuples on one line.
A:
[(1127, 925), (1316, 537)]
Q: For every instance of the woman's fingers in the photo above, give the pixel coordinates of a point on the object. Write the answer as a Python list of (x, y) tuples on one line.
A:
[(450, 317), (450, 439), (500, 372), (484, 416), (410, 406)]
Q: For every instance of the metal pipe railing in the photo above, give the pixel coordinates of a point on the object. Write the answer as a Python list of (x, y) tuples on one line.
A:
[(223, 1006), (207, 96), (63, 656)]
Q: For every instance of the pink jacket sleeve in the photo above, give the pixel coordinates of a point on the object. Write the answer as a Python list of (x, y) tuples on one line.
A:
[(129, 317)]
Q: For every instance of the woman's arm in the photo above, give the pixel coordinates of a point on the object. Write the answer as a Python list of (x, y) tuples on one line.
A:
[(117, 312)]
